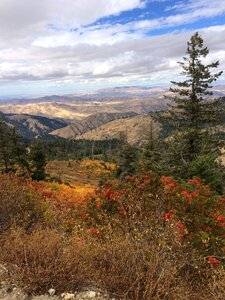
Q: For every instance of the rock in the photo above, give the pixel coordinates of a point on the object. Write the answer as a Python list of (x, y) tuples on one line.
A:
[(51, 292), (68, 296), (91, 294), (3, 270), (13, 292), (2, 284), (44, 297)]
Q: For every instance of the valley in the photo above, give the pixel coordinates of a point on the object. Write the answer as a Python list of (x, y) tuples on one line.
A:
[(103, 114)]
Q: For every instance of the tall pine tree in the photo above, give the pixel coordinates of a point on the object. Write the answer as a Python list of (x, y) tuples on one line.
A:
[(193, 115)]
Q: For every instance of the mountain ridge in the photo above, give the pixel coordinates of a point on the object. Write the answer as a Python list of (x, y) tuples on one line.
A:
[(74, 107), (135, 129), (31, 126), (91, 122)]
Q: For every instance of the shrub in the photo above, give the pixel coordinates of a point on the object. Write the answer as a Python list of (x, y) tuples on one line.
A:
[(43, 259), (46, 258), (145, 202), (19, 204), (148, 238)]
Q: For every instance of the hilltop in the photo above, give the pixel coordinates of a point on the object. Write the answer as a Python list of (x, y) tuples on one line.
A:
[(135, 128)]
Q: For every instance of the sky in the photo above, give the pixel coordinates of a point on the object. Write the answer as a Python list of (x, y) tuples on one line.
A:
[(67, 46)]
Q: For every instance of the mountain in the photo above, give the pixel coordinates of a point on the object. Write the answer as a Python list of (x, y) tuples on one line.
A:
[(96, 120), (68, 116), (135, 128), (89, 123), (75, 107), (30, 126), (78, 107), (68, 132)]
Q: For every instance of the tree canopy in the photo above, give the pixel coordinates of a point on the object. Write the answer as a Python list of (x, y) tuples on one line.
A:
[(193, 114)]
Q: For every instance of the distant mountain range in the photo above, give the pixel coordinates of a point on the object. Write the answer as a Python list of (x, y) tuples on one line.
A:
[(101, 114), (95, 127), (77, 107)]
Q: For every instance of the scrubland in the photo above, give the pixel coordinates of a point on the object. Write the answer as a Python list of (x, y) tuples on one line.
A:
[(148, 237)]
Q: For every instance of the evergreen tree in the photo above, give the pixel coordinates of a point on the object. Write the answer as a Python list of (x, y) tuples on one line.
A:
[(126, 161), (18, 150), (126, 158), (38, 161), (151, 150), (193, 113), (12, 150), (5, 155)]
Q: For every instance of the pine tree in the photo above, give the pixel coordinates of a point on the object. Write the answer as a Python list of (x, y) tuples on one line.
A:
[(5, 155), (12, 150), (126, 158), (126, 162), (193, 114), (151, 154), (38, 161), (18, 150)]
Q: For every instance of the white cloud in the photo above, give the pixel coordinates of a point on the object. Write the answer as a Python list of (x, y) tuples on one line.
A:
[(31, 14), (36, 43), (187, 12), (151, 57)]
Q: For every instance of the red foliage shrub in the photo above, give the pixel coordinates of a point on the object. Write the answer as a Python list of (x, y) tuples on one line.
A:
[(196, 212)]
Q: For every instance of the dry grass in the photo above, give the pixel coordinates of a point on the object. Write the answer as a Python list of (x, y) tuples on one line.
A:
[(134, 257), (84, 173), (43, 259), (46, 259)]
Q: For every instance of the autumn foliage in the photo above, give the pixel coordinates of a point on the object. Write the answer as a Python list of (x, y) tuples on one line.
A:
[(191, 210), (124, 236)]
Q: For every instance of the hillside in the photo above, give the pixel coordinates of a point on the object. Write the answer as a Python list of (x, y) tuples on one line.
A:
[(75, 115), (82, 175), (136, 128), (93, 121), (31, 126)]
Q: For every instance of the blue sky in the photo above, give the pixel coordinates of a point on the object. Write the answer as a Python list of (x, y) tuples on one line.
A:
[(67, 46), (162, 9)]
